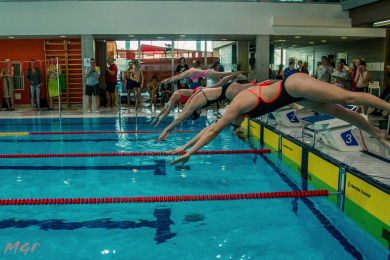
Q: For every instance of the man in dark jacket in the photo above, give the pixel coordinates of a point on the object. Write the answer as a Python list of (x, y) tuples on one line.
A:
[(34, 77)]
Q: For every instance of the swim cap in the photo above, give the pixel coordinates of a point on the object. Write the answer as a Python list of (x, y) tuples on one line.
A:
[(195, 115)]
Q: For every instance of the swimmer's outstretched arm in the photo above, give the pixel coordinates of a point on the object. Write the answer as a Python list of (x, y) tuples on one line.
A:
[(169, 109), (189, 108), (226, 79), (185, 74), (230, 115), (190, 143), (171, 104), (217, 75)]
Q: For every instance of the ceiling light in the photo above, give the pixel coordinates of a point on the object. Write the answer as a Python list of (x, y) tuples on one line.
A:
[(62, 36), (160, 37), (282, 40), (130, 35), (344, 37), (183, 35), (383, 23), (223, 39), (323, 41), (295, 45), (311, 42), (297, 37), (11, 37), (271, 42)]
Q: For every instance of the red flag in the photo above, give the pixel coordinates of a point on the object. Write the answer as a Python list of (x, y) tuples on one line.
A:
[(21, 67), (10, 69)]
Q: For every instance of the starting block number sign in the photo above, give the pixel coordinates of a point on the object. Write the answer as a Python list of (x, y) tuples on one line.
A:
[(292, 117), (349, 139)]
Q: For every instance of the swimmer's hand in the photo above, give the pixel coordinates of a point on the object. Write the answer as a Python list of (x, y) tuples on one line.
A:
[(181, 160), (177, 150), (153, 121), (163, 135), (159, 121)]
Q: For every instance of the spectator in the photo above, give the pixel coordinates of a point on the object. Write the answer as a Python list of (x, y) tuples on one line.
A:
[(302, 68), (165, 93), (279, 74), (385, 96), (332, 65), (323, 72), (345, 67), (182, 66), (129, 84), (138, 81), (290, 70), (198, 65), (195, 82), (181, 84), (34, 77), (153, 91), (8, 85), (111, 81), (318, 64), (53, 81), (339, 77), (306, 66), (362, 80), (92, 73), (215, 67), (352, 66), (203, 82), (221, 68), (354, 72), (251, 72)]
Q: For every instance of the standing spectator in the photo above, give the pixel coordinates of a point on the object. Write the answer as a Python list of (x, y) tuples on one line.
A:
[(251, 72), (354, 72), (339, 77), (323, 72), (290, 70), (8, 85), (279, 74), (221, 68), (53, 81), (129, 84), (215, 67), (318, 64), (302, 68), (153, 91), (195, 82), (306, 66), (182, 66), (138, 81), (352, 66), (34, 77), (345, 67), (385, 96), (165, 93), (332, 66), (362, 80), (111, 81), (92, 74)]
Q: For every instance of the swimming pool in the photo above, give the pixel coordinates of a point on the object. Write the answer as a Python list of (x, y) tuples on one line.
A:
[(305, 228)]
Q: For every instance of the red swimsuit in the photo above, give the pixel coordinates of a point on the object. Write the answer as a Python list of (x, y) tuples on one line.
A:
[(185, 98)]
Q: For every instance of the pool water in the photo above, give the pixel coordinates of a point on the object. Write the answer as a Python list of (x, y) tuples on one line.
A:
[(307, 228)]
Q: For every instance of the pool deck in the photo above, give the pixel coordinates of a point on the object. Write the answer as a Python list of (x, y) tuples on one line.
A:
[(375, 163)]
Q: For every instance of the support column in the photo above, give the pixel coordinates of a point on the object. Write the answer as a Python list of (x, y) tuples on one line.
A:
[(243, 55), (386, 60), (205, 58), (87, 51), (314, 59), (262, 57), (173, 64), (282, 53)]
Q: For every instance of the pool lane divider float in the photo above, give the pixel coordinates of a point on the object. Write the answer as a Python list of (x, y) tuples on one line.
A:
[(256, 151), (94, 132), (177, 198)]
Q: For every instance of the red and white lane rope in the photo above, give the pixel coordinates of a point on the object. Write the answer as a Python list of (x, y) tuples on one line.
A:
[(129, 154), (173, 198)]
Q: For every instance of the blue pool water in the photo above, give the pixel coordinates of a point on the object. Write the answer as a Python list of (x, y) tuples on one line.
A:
[(252, 229)]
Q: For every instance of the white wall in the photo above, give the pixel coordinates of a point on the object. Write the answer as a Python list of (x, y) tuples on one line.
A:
[(149, 17)]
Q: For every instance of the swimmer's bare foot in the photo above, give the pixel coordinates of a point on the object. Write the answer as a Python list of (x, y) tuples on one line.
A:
[(239, 130), (382, 138)]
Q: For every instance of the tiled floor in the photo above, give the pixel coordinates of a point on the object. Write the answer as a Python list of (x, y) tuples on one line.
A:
[(370, 165)]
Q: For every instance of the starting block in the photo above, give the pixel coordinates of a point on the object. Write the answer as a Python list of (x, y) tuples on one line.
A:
[(286, 116)]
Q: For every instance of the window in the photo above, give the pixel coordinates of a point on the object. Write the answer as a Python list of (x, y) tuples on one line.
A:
[(18, 77)]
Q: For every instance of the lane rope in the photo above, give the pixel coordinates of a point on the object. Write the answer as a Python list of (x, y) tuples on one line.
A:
[(93, 132), (177, 198), (130, 154)]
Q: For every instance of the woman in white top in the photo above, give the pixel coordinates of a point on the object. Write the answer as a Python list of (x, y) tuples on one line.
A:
[(339, 77)]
